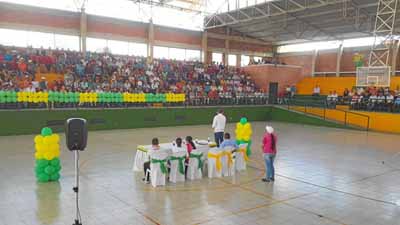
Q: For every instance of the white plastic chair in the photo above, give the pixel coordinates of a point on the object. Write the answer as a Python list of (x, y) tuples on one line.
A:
[(228, 166), (177, 173), (214, 163), (195, 166), (158, 168), (241, 158)]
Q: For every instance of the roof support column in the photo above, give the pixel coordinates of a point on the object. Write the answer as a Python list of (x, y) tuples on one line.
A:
[(238, 60), (83, 32), (226, 50), (150, 41), (395, 55), (339, 59), (314, 60), (204, 47)]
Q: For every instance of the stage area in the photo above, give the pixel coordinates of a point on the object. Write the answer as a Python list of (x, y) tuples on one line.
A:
[(324, 176)]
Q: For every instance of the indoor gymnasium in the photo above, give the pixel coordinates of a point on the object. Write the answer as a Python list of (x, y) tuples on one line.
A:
[(192, 112)]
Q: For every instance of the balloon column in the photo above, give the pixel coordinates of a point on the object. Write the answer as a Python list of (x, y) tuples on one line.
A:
[(243, 133), (47, 156)]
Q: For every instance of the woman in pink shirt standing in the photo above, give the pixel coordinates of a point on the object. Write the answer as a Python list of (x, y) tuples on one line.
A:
[(269, 150)]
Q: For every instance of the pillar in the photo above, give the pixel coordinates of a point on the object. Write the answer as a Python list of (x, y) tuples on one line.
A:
[(150, 41), (226, 50), (226, 53), (83, 32), (395, 55), (314, 60), (238, 60), (204, 48), (339, 59)]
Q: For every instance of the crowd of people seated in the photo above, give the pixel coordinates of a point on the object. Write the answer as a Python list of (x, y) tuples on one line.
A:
[(370, 99), (101, 72)]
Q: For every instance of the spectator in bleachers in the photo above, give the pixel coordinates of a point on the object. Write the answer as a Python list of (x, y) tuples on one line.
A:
[(355, 101), (292, 91), (332, 99), (372, 101), (390, 102), (316, 90)]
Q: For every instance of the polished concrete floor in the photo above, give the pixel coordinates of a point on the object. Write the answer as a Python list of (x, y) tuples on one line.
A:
[(324, 176)]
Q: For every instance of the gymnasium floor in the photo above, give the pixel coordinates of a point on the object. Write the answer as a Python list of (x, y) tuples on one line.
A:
[(324, 176)]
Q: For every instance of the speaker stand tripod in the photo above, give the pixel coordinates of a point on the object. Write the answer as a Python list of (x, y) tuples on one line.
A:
[(78, 219)]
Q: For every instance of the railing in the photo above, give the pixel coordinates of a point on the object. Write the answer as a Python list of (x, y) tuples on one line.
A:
[(310, 106)]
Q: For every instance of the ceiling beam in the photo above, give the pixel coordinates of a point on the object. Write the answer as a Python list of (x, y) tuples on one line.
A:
[(272, 6)]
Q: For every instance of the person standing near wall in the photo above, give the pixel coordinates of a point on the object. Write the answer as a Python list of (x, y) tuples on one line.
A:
[(218, 125)]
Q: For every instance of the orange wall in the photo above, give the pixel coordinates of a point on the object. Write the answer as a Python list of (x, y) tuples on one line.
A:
[(327, 84), (338, 84), (383, 122), (264, 74)]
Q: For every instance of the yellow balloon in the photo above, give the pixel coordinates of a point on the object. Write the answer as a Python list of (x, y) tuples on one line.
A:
[(38, 147), (56, 138), (38, 155), (47, 140), (53, 147), (56, 153), (45, 148), (38, 139), (49, 155)]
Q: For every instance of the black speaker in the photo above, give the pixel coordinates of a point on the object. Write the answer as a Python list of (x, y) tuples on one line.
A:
[(76, 134)]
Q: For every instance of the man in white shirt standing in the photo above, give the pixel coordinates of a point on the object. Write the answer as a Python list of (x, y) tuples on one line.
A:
[(218, 125)]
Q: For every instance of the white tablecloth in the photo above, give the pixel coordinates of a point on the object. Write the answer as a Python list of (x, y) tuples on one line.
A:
[(142, 156)]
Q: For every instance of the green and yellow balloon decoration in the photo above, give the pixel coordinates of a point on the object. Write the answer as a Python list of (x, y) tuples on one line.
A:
[(243, 133), (47, 166)]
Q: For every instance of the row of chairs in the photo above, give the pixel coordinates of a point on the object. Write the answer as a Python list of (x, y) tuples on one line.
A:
[(218, 162)]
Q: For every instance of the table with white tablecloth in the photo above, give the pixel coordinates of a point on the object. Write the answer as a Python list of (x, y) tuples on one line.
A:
[(142, 155)]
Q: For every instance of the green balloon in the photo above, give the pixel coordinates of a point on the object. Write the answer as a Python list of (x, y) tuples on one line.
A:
[(42, 163), (55, 162), (58, 168), (243, 120), (46, 131), (39, 170), (55, 177), (49, 170), (43, 177)]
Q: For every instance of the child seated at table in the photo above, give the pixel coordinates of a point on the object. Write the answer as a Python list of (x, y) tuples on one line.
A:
[(154, 147), (228, 142)]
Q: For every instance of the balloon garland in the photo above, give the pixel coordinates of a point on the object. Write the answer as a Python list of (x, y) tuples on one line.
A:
[(47, 166), (76, 97), (243, 133)]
